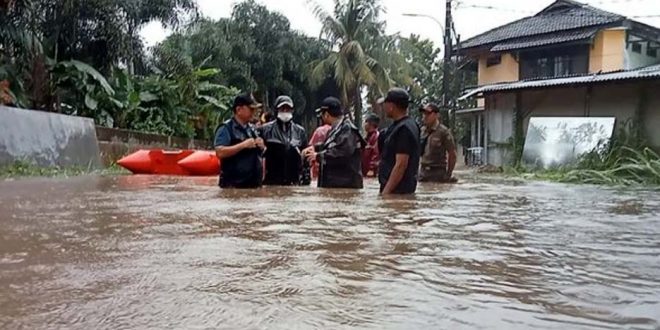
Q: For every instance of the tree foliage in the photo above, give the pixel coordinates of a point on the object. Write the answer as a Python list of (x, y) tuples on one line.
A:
[(352, 31), (255, 50), (84, 57)]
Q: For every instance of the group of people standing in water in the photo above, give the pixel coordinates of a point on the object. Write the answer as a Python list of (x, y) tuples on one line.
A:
[(279, 152)]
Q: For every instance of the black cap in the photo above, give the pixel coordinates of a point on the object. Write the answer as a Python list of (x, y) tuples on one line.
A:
[(283, 100), (434, 107), (398, 96), (332, 105), (246, 99), (372, 118)]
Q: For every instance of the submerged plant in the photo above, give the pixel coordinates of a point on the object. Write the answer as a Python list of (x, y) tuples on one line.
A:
[(625, 160)]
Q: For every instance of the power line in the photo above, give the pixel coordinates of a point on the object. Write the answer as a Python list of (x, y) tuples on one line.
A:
[(494, 8), (601, 2), (486, 7)]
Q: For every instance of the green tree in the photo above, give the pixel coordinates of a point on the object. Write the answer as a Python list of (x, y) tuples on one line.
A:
[(37, 34), (104, 33), (351, 31), (255, 50)]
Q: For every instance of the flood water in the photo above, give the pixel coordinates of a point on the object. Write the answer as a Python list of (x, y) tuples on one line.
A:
[(140, 252)]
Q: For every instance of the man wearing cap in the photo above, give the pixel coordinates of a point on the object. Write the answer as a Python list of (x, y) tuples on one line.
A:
[(370, 155), (239, 148), (438, 148), (285, 141), (400, 149), (340, 155)]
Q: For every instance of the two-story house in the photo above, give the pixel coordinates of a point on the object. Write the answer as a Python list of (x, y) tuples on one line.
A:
[(570, 59)]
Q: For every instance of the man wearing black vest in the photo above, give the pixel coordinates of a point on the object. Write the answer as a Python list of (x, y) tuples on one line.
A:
[(400, 146), (239, 148)]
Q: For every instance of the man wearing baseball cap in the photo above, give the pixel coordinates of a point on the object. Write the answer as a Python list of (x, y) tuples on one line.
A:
[(400, 149), (285, 141), (340, 155), (239, 148), (438, 148)]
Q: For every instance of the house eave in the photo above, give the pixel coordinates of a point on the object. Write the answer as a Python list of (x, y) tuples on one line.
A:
[(646, 73)]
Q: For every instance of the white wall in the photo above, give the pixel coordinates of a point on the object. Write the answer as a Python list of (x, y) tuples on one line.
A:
[(633, 60), (499, 120)]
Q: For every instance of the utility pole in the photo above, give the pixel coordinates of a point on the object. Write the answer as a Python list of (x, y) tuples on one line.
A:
[(447, 58)]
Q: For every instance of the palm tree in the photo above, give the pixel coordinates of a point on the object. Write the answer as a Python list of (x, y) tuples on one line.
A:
[(351, 31)]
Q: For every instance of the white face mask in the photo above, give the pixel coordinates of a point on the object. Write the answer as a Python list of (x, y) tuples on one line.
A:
[(285, 116)]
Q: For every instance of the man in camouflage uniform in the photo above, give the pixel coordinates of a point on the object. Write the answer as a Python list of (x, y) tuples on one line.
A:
[(438, 148)]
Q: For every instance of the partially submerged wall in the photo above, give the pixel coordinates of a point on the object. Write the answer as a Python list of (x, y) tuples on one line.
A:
[(117, 143), (47, 139)]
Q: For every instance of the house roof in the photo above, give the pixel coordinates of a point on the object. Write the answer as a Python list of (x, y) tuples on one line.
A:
[(562, 15), (650, 72), (546, 39)]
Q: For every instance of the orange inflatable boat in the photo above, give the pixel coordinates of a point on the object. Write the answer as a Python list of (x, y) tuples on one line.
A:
[(180, 162)]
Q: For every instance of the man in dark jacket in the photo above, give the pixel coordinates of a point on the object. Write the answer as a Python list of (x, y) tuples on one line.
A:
[(340, 156), (239, 148), (285, 141)]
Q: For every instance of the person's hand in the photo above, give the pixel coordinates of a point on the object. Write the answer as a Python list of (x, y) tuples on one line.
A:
[(307, 151), (260, 143), (311, 155), (249, 144)]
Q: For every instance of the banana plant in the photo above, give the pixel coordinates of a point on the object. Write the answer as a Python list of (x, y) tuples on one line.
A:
[(80, 88)]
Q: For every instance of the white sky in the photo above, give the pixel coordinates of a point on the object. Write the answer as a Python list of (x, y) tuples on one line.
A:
[(469, 21)]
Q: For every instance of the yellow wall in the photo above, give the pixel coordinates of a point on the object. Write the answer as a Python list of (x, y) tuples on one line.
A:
[(608, 50), (506, 71)]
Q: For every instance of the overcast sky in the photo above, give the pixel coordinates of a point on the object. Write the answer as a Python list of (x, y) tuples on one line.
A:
[(469, 19)]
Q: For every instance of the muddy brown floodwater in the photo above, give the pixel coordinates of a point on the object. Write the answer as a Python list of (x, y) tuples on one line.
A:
[(140, 252)]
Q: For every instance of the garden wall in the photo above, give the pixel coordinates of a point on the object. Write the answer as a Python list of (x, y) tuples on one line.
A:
[(116, 143), (47, 139)]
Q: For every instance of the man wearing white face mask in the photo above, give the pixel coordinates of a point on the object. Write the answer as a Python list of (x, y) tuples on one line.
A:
[(285, 140)]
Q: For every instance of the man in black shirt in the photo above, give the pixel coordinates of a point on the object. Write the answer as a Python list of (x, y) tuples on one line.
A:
[(400, 147)]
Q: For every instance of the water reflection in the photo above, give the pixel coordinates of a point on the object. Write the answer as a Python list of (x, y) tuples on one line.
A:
[(164, 252)]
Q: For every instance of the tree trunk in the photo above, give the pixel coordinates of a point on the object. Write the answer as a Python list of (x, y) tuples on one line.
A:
[(357, 107), (131, 55)]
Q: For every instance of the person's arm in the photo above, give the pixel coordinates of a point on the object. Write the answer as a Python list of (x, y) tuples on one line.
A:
[(397, 174), (305, 176), (343, 146), (451, 162), (451, 155), (405, 142), (223, 152), (223, 149)]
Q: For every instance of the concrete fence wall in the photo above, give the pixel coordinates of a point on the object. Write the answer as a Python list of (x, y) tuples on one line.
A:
[(47, 139), (117, 143)]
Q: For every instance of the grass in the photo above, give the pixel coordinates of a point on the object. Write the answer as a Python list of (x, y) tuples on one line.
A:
[(638, 168), (21, 169)]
